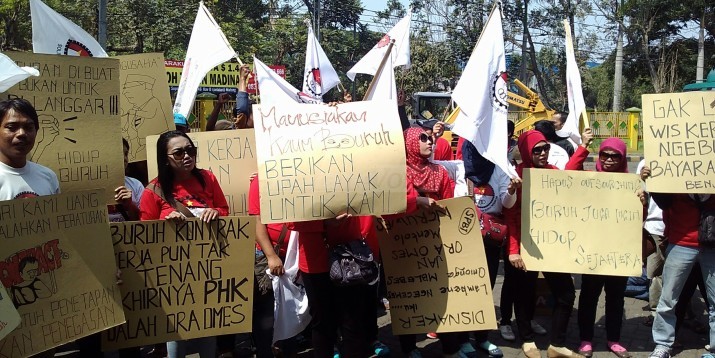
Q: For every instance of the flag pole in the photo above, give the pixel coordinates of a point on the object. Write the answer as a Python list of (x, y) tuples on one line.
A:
[(583, 116), (379, 70)]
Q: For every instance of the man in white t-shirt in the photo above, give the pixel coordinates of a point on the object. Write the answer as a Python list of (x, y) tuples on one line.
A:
[(19, 177)]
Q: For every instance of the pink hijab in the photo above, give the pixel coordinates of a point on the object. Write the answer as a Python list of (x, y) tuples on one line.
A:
[(619, 146)]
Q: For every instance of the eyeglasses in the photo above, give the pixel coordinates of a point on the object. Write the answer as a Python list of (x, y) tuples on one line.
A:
[(542, 149), (181, 152), (612, 156), (424, 138)]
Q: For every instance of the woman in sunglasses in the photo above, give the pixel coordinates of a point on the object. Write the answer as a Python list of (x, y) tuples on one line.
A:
[(182, 190), (534, 150), (612, 159)]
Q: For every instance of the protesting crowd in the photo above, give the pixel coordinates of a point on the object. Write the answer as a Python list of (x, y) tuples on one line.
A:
[(337, 274)]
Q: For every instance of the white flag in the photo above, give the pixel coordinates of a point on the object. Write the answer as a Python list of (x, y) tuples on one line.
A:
[(319, 75), (384, 86), (577, 105), (54, 34), (400, 33), (274, 89), (481, 94), (208, 48), (11, 73)]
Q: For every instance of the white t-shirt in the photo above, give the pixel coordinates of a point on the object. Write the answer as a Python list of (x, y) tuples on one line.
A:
[(493, 197), (30, 181), (137, 189), (558, 156), (654, 221)]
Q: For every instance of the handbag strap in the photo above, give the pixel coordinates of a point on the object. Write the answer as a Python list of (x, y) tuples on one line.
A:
[(281, 239), (177, 205)]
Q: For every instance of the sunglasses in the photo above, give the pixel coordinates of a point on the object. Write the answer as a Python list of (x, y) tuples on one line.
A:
[(612, 156), (424, 138), (181, 152), (542, 149)]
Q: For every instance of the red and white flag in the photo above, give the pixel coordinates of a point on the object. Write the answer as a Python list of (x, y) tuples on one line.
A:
[(54, 34), (400, 33), (481, 94), (319, 75), (208, 48), (274, 89)]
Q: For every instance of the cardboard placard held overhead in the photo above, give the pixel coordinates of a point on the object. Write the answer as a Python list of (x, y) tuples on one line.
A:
[(317, 161), (581, 222), (9, 317), (77, 101), (183, 281), (145, 103), (56, 261), (230, 155), (436, 271), (679, 141)]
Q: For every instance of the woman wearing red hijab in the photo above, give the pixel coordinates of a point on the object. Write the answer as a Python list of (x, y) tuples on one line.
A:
[(431, 181), (534, 150), (612, 159)]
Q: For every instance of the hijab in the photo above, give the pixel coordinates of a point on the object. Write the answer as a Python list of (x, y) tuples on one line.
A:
[(425, 176), (619, 146), (527, 141)]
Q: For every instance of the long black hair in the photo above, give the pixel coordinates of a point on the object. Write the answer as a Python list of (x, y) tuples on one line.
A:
[(166, 174)]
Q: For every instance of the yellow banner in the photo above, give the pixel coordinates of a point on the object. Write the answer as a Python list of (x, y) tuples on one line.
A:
[(183, 281), (230, 155), (436, 271), (77, 100), (679, 141), (146, 107), (57, 264), (581, 222), (317, 161)]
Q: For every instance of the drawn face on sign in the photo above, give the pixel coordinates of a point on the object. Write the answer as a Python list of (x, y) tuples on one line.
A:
[(29, 269)]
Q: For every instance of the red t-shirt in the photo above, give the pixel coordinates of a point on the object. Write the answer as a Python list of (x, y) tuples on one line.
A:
[(189, 193), (442, 150), (254, 208), (682, 220)]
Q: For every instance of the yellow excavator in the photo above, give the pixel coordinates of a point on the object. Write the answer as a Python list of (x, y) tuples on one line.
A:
[(427, 103)]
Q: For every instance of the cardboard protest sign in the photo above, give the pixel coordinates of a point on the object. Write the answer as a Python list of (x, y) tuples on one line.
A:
[(581, 222), (145, 104), (679, 141), (436, 271), (56, 261), (77, 101), (230, 155), (317, 161), (9, 318), (183, 281)]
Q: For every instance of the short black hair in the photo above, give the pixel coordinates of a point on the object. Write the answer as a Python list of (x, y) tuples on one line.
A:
[(26, 260), (21, 106), (562, 116), (125, 143), (547, 128), (510, 127)]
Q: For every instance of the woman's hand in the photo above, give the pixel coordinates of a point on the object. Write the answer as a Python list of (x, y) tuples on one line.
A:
[(122, 195), (275, 265), (645, 173), (586, 137), (429, 204), (176, 217), (514, 184), (209, 215), (337, 220), (642, 196), (517, 262)]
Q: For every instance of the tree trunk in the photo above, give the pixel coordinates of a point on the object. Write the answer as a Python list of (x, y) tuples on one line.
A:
[(700, 71), (618, 76), (524, 21), (539, 78)]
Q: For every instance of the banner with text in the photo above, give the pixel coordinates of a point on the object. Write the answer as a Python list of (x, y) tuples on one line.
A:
[(317, 161), (146, 106), (183, 281), (581, 222), (56, 261), (436, 271), (77, 101), (679, 141), (9, 317), (229, 155), (222, 78)]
